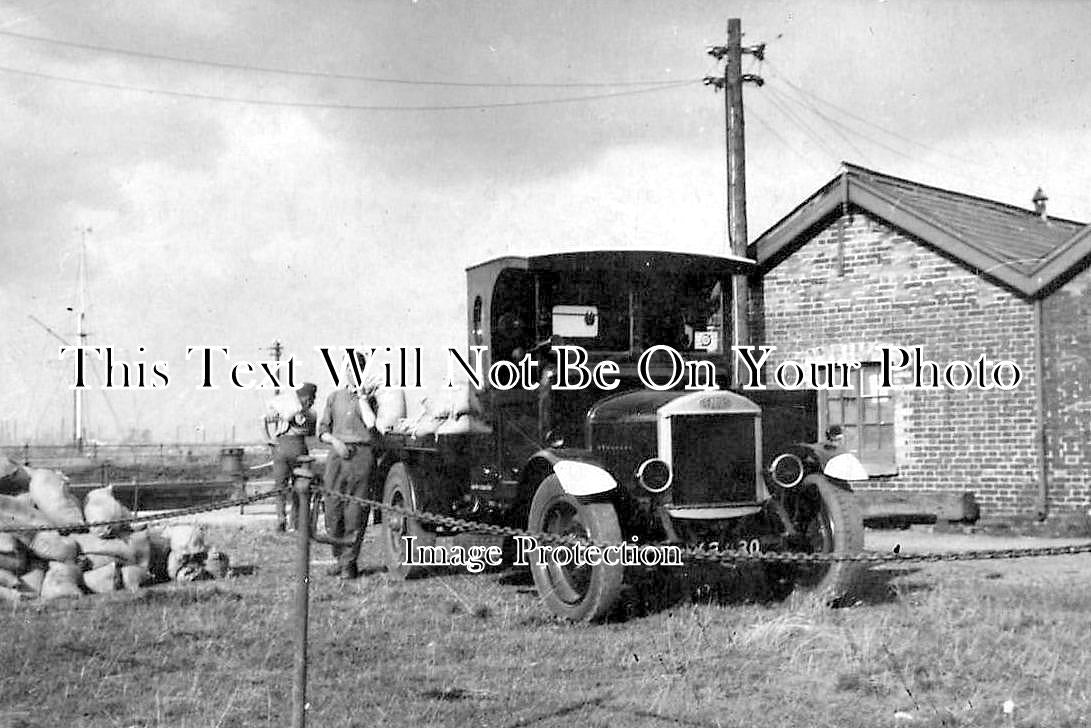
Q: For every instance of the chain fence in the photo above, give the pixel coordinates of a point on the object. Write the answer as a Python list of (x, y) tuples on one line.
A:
[(707, 553), (722, 555)]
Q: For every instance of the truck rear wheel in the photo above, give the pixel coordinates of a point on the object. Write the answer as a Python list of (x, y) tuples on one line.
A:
[(578, 592), (401, 490), (828, 520)]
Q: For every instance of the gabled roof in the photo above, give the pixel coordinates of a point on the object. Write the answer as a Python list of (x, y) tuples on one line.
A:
[(1012, 246)]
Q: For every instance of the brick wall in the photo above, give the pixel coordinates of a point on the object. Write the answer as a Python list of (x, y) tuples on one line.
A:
[(1066, 365), (891, 290)]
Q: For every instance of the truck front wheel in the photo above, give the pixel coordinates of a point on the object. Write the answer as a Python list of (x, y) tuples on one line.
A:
[(827, 520), (574, 591)]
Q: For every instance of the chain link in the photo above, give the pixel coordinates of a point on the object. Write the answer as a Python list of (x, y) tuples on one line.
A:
[(725, 556)]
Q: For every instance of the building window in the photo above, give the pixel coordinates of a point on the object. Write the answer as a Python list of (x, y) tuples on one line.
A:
[(865, 413)]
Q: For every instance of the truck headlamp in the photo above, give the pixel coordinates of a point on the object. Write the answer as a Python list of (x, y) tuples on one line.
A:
[(654, 475), (786, 470)]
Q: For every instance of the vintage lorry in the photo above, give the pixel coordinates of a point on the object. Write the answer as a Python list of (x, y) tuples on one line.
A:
[(632, 457)]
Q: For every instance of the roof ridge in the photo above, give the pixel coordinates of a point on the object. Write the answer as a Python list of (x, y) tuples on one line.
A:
[(1061, 250), (922, 215), (850, 168)]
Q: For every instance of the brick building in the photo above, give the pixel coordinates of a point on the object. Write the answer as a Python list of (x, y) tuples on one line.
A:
[(872, 264)]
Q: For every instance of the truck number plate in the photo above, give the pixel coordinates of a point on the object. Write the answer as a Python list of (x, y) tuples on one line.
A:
[(751, 546)]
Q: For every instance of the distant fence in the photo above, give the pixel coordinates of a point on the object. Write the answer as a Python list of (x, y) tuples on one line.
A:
[(139, 450), (141, 460), (154, 475)]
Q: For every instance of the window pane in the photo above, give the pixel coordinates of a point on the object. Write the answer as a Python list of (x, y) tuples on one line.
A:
[(834, 413), (850, 412), (871, 410), (852, 438), (886, 438), (869, 439), (870, 375)]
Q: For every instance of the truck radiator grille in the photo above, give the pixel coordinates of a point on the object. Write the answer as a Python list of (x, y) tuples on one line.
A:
[(714, 460)]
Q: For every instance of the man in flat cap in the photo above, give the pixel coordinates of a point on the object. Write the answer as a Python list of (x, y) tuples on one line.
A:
[(290, 420), (348, 426)]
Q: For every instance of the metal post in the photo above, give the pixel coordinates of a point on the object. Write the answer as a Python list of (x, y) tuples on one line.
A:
[(302, 484)]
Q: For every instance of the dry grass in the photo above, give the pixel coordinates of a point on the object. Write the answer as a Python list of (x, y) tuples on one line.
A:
[(944, 646)]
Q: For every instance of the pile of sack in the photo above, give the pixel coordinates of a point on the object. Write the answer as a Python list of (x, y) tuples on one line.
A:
[(79, 559), (456, 413)]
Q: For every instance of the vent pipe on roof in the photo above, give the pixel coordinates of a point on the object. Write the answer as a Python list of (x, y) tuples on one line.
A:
[(1039, 201)]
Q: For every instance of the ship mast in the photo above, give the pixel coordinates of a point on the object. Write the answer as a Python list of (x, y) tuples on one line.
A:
[(81, 336)]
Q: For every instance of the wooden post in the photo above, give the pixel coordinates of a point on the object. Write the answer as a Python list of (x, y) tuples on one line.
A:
[(302, 485), (736, 189)]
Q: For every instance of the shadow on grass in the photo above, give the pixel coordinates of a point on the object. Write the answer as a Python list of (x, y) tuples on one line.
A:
[(182, 595), (651, 591), (648, 591), (878, 586)]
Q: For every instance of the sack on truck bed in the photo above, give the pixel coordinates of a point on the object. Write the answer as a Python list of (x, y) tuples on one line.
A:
[(51, 495), (62, 580), (390, 402)]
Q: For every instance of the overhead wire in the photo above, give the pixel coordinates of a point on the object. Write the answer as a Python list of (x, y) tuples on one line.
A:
[(794, 119), (836, 128), (346, 107), (916, 158), (803, 91), (841, 129), (772, 130), (756, 66), (223, 65)]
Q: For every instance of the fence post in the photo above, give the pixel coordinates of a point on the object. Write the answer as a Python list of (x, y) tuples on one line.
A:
[(302, 484)]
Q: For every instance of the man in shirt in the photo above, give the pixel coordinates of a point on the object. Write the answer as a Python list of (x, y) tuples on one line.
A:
[(290, 420), (348, 426)]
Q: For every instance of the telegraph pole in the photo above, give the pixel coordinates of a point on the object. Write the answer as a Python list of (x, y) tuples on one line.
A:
[(732, 82)]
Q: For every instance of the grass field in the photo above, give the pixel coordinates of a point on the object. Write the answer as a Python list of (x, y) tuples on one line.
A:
[(942, 645)]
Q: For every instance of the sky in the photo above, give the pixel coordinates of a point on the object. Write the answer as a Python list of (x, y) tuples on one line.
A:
[(240, 172)]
